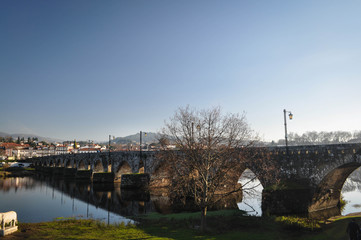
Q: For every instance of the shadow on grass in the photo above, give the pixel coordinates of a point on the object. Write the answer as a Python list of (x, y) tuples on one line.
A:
[(220, 225), (233, 225)]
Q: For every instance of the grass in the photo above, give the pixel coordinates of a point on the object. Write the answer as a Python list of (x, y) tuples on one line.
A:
[(299, 223), (226, 224), (79, 229)]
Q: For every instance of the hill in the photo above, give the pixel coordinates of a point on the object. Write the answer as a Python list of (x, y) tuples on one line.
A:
[(26, 136), (149, 137)]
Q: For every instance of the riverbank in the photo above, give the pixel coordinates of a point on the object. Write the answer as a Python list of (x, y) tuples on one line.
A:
[(16, 172), (221, 225)]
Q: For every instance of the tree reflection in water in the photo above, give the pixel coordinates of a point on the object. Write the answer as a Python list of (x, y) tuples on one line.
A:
[(351, 192), (46, 198), (252, 194)]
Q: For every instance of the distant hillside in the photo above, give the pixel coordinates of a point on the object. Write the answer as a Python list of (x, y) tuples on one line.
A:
[(135, 138), (26, 136)]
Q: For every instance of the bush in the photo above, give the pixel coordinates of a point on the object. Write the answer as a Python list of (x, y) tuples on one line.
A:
[(291, 222)]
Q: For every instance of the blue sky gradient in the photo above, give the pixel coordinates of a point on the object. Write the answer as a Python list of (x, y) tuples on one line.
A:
[(85, 69)]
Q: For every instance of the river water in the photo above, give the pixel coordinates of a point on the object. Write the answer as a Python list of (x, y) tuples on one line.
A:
[(38, 199), (252, 199)]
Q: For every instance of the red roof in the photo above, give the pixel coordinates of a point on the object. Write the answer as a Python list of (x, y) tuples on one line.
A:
[(14, 145)]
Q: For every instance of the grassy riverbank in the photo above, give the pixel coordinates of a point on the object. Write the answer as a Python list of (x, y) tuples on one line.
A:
[(221, 225), (16, 172)]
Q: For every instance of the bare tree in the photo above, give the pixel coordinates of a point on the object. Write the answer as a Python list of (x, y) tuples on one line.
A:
[(210, 147), (313, 137)]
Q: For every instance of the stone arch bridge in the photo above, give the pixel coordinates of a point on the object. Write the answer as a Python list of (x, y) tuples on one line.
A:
[(310, 178)]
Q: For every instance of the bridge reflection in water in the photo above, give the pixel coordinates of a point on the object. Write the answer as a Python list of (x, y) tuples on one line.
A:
[(108, 197), (34, 199), (44, 198)]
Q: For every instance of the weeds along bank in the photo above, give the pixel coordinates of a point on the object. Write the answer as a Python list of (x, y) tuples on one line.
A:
[(220, 225)]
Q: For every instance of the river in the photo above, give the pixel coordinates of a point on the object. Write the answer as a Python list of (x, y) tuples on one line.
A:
[(252, 199), (38, 199)]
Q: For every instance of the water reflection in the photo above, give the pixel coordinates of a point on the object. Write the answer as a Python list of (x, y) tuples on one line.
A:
[(351, 192), (44, 198), (40, 199), (252, 194)]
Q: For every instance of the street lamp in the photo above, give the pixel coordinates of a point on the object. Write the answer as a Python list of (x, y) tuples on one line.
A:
[(290, 115), (110, 137), (140, 140), (140, 147)]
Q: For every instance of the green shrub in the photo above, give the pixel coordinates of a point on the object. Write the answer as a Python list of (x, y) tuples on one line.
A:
[(343, 203), (299, 222)]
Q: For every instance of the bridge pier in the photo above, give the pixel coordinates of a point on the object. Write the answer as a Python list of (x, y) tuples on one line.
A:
[(103, 177), (135, 181), (47, 170), (84, 175), (286, 201), (58, 171), (70, 172)]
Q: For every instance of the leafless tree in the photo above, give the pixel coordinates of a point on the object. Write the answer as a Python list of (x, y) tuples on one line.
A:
[(314, 137), (210, 147)]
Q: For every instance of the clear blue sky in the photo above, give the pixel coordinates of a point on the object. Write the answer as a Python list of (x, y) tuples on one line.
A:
[(85, 69)]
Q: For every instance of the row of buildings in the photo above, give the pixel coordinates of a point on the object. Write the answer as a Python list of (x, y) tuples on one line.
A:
[(15, 151), (23, 150)]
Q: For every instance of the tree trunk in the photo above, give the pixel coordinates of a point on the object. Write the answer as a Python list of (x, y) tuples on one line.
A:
[(203, 218)]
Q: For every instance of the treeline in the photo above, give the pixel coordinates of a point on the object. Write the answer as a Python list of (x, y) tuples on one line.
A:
[(18, 140), (315, 138)]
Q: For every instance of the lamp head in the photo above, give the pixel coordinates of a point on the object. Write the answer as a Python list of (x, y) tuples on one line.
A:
[(290, 116)]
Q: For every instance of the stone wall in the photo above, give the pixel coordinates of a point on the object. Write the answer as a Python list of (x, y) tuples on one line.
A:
[(135, 181)]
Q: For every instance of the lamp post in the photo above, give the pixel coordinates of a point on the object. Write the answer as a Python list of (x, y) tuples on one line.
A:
[(290, 115), (110, 136), (109, 146), (140, 147)]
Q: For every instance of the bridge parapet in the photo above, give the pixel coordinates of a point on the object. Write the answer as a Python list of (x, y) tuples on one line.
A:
[(314, 162), (326, 149), (107, 161)]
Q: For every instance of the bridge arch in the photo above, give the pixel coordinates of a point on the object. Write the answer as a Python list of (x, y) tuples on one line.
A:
[(68, 163), (98, 166), (83, 165), (57, 162), (41, 163), (160, 176), (141, 166), (328, 192), (123, 168), (251, 193), (51, 163)]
